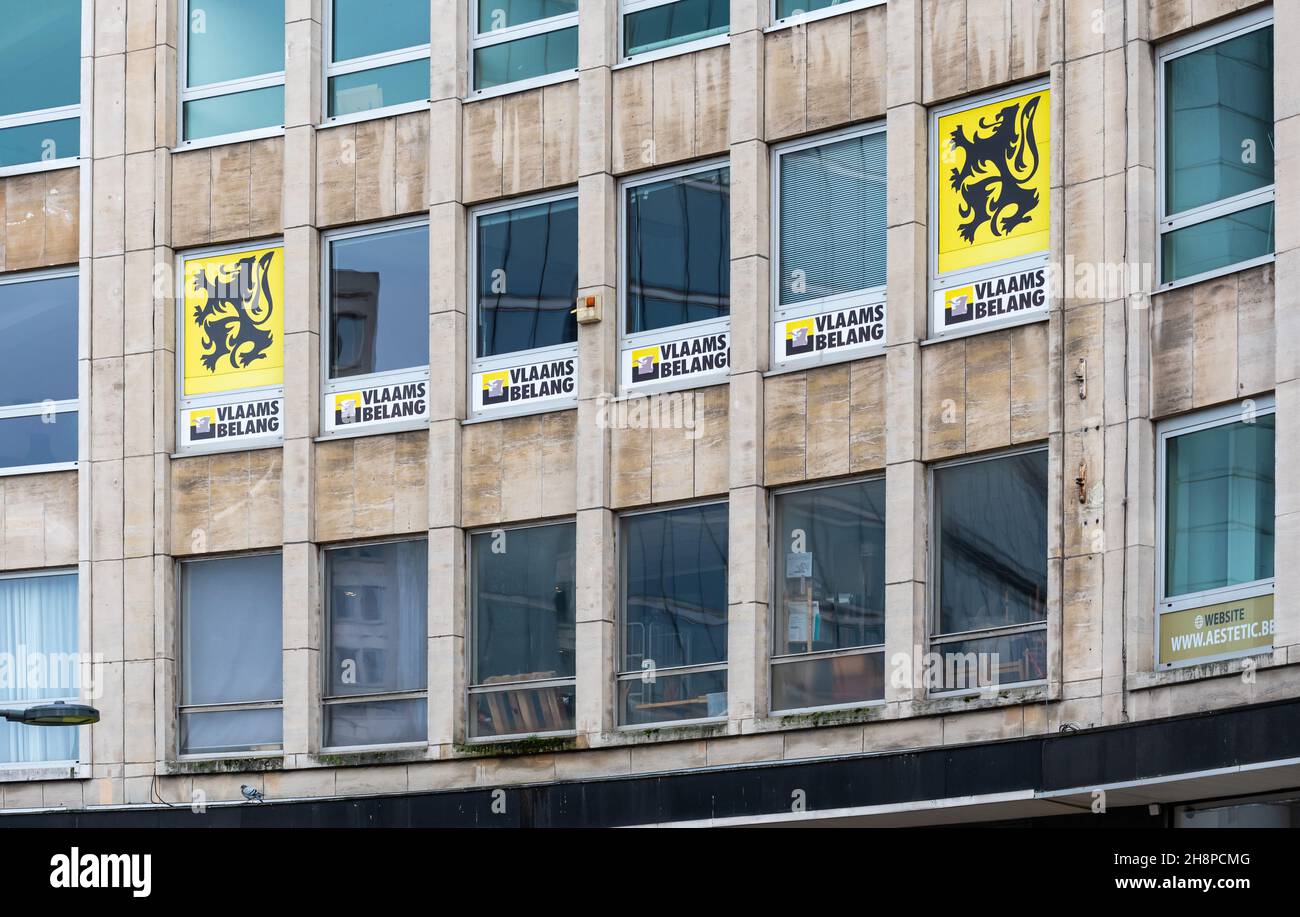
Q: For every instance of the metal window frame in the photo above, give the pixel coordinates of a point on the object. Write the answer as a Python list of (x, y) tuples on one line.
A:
[(57, 113), (1170, 429), (178, 591), (851, 6), (327, 645), (331, 68), (330, 386), (1167, 223), (626, 7), (935, 543), (479, 40), (212, 90), (774, 552)]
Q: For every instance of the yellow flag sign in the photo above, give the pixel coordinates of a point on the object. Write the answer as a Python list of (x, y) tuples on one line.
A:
[(994, 182), (234, 321)]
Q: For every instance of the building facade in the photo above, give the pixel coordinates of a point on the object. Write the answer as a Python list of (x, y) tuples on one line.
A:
[(670, 412)]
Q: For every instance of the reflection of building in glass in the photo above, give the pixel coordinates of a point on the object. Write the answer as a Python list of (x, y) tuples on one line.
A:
[(356, 322)]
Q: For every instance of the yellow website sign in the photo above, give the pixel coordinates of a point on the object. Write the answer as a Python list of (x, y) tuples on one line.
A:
[(1216, 631), (233, 318)]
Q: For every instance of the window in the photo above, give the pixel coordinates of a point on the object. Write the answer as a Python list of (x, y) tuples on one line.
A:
[(828, 648), (231, 685), (523, 43), (232, 68), (522, 633), (377, 55), (989, 624), (676, 289), (376, 328), (784, 11), (672, 26), (673, 662), (38, 634), (525, 284), (1216, 479), (1216, 150), (38, 371), (40, 84), (829, 282), (377, 599)]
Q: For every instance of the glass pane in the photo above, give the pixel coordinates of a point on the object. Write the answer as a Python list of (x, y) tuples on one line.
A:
[(1218, 243), (1219, 121), (787, 8), (992, 542), (675, 588), (38, 635), (376, 722), (679, 250), (231, 630), (501, 14), (525, 58), (40, 55), (830, 577), (1006, 660), (21, 744), (690, 696), (364, 27), (38, 440), (233, 40), (522, 712), (366, 90), (829, 681), (379, 302), (224, 731), (38, 341), (378, 604), (523, 604), (673, 24), (1219, 507), (233, 114), (833, 220), (527, 277), (43, 142)]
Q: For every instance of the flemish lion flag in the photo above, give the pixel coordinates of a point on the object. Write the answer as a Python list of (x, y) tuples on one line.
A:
[(233, 318)]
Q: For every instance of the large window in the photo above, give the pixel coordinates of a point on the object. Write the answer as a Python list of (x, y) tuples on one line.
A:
[(376, 328), (829, 278), (38, 634), (662, 27), (1216, 482), (523, 43), (40, 83), (1216, 168), (784, 11), (989, 623), (232, 68), (231, 683), (522, 663), (376, 686), (38, 371), (673, 660), (828, 647), (525, 283), (377, 55)]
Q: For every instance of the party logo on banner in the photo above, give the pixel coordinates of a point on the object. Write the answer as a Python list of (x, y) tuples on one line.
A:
[(234, 321)]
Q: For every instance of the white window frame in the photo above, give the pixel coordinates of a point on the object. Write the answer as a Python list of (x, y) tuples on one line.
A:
[(868, 296), (474, 689), (1167, 430), (66, 406), (334, 68), (626, 7), (1166, 222), (212, 90), (479, 40), (343, 700), (935, 640), (476, 364), (345, 383), (59, 113), (777, 570), (851, 6)]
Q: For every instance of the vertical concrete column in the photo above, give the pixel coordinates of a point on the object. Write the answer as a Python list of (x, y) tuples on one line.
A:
[(748, 549), (301, 591), (597, 586), (906, 301), (448, 337)]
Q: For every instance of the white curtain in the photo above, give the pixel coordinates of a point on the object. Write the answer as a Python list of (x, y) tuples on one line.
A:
[(38, 643)]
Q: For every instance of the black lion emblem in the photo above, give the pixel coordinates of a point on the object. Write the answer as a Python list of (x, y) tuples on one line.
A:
[(998, 167), (234, 317)]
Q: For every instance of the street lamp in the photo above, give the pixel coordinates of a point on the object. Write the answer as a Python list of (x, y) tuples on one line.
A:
[(55, 714)]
